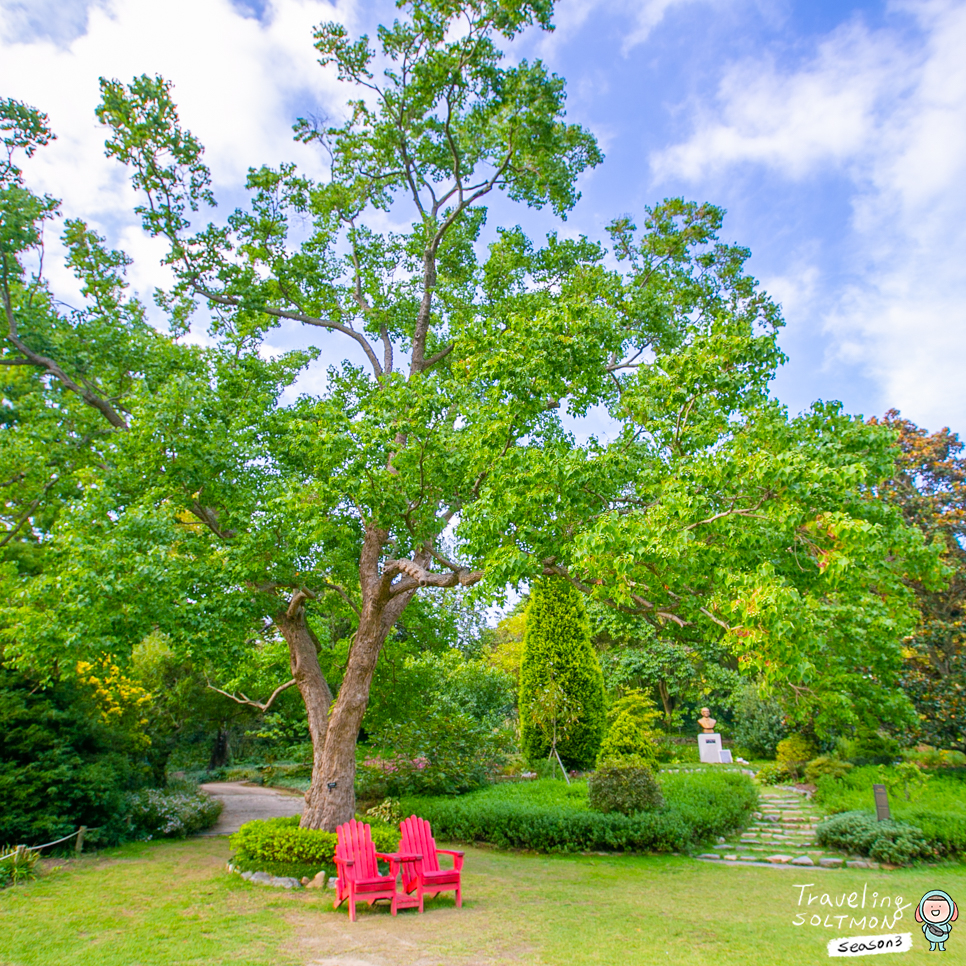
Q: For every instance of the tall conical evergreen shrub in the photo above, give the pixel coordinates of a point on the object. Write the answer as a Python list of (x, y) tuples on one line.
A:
[(557, 653)]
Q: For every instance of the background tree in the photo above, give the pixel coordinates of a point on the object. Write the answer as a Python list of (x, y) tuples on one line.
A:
[(929, 487), (561, 686)]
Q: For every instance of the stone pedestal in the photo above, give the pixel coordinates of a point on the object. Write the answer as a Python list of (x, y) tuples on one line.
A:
[(709, 748)]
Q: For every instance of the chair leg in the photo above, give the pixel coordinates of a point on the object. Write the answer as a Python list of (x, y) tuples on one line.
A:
[(459, 897), (352, 908), (420, 887)]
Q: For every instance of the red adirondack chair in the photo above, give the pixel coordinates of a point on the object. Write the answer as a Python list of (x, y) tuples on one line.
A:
[(359, 877), (424, 874)]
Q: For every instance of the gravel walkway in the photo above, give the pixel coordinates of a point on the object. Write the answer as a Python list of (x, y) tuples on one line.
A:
[(244, 802)]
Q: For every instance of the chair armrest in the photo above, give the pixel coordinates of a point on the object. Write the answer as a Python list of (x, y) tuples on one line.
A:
[(398, 856), (457, 857), (345, 861)]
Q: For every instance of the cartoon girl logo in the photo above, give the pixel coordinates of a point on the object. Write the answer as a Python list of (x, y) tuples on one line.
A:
[(937, 912)]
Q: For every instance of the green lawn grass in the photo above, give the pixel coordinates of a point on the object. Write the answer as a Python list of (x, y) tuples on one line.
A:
[(161, 903)]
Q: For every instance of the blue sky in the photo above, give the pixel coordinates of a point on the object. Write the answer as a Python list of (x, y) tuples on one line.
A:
[(833, 133)]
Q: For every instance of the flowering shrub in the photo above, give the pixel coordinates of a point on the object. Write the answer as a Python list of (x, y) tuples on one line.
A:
[(157, 813), (443, 755), (122, 703)]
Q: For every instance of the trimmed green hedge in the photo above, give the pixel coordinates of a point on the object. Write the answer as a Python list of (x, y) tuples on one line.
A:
[(281, 840), (550, 816)]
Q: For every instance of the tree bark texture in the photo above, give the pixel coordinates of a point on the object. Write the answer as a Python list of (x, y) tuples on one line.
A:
[(331, 801), (311, 684)]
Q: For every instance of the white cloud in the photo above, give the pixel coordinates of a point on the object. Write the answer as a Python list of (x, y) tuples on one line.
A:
[(571, 16), (237, 82), (886, 109)]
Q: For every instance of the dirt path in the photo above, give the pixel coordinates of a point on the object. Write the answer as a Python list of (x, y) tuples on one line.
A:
[(245, 802)]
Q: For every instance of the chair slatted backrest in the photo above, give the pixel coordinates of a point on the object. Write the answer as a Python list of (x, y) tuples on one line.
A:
[(354, 841), (417, 837)]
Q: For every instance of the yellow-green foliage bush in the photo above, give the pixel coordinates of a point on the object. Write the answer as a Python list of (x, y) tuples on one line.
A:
[(818, 767), (631, 730), (794, 752)]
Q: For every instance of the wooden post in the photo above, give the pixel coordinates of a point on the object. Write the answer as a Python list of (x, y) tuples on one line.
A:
[(881, 803), (79, 847)]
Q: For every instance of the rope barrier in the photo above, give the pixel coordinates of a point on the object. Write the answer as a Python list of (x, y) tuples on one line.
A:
[(81, 832)]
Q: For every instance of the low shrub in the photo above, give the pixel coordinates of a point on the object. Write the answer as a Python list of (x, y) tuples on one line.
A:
[(626, 785), (793, 753), (17, 865), (154, 812), (281, 840), (928, 757), (819, 767), (771, 773), (897, 843), (550, 816)]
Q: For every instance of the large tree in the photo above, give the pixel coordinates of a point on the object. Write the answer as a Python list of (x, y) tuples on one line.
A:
[(929, 486), (212, 509)]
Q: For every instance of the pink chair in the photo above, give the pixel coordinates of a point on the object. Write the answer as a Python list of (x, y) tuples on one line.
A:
[(359, 877), (423, 873)]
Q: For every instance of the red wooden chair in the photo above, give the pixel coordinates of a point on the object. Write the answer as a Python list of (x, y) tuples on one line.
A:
[(424, 874), (359, 877)]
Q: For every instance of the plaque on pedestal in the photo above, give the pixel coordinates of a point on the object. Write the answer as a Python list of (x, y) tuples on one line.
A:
[(709, 748)]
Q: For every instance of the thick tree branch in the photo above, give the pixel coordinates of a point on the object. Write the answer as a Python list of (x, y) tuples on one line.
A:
[(413, 576)]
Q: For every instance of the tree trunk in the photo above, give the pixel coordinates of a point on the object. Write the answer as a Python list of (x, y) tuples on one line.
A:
[(331, 799), (219, 752), (666, 701), (311, 684)]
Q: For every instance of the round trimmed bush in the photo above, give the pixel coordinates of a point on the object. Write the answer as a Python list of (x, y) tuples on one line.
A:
[(626, 786)]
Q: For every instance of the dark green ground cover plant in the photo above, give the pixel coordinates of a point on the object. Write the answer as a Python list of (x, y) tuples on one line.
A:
[(938, 807), (549, 816), (895, 842)]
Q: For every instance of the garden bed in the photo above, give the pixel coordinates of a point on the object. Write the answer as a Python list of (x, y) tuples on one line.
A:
[(548, 815), (938, 809)]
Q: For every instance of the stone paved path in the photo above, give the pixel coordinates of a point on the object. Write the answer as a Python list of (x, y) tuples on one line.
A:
[(243, 802), (782, 833)]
